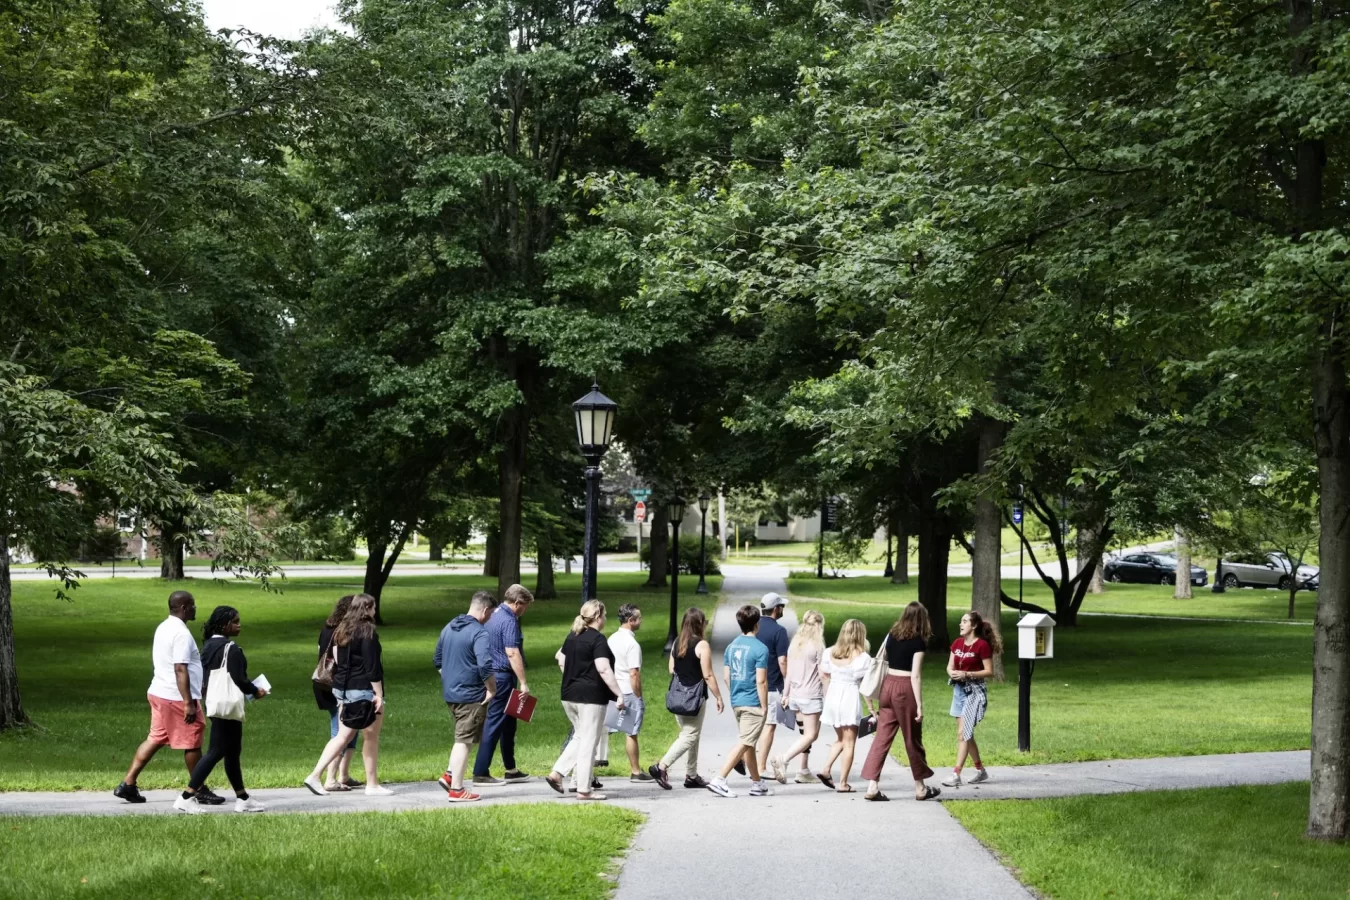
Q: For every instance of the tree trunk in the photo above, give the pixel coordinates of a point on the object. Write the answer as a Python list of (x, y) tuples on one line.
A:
[(435, 549), (491, 555), (1329, 802), (986, 594), (544, 586), (660, 547), (11, 707), (172, 548), (901, 573), (511, 472), (1183, 553), (378, 567), (935, 543), (1087, 541)]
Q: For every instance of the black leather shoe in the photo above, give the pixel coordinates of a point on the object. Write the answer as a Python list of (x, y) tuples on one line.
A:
[(209, 797)]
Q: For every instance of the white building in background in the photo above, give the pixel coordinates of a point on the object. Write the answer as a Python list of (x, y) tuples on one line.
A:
[(794, 528)]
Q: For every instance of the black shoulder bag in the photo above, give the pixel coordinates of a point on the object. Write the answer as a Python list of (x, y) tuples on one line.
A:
[(358, 714)]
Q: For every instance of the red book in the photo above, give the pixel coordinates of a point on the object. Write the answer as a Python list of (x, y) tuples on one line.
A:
[(521, 706)]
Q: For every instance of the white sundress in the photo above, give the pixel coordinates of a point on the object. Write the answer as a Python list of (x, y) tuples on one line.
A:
[(843, 702)]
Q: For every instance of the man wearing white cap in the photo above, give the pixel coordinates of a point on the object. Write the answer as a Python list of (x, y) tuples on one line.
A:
[(775, 638)]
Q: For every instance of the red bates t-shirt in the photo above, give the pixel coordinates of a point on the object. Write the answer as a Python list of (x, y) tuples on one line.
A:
[(971, 659)]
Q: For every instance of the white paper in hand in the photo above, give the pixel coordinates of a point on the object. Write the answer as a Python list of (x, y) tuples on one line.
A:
[(262, 682)]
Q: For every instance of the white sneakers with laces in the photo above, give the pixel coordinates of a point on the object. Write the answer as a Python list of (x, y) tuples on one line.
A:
[(980, 775), (719, 787), (189, 805), (248, 806), (760, 789)]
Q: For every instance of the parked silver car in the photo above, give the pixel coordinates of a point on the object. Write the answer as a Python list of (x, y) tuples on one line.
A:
[(1273, 573)]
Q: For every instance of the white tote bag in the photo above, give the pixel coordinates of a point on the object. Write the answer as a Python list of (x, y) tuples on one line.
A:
[(870, 684), (224, 700)]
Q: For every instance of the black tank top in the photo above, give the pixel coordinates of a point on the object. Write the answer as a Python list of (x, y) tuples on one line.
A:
[(688, 669)]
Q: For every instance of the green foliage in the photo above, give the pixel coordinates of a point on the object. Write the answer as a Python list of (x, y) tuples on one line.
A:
[(689, 556), (840, 550)]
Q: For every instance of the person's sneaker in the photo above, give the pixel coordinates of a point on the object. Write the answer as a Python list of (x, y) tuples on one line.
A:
[(209, 797), (128, 792), (378, 790), (779, 770), (953, 781), (980, 775), (189, 805), (249, 805), (659, 776), (719, 787), (740, 767), (315, 786), (602, 763), (444, 781), (641, 777), (463, 795), (806, 778), (760, 789), (694, 781), (488, 780), (515, 775)]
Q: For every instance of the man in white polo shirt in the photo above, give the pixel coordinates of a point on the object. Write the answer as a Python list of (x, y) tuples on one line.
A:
[(175, 694), (628, 671)]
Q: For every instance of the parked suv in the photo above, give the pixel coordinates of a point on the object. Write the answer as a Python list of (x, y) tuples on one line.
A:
[(1150, 568), (1270, 572)]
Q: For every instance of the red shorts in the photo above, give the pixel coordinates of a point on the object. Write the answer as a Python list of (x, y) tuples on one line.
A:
[(167, 725)]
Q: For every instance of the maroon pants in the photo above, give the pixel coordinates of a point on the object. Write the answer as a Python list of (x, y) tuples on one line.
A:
[(898, 709)]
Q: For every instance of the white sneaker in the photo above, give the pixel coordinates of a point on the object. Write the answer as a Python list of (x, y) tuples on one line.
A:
[(249, 805), (980, 775), (759, 789), (954, 781), (378, 790), (189, 805), (315, 786), (719, 787), (779, 770), (806, 778)]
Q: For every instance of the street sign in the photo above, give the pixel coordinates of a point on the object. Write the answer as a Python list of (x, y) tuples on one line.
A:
[(640, 493), (1017, 514), (829, 514), (640, 512)]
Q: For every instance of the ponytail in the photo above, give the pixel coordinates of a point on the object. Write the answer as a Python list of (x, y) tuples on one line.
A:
[(985, 631), (592, 613)]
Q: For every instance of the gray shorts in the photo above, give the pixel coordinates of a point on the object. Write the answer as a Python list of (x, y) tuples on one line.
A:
[(777, 714)]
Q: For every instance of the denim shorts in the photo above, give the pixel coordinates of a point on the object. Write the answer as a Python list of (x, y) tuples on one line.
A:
[(352, 696), (959, 693), (333, 728)]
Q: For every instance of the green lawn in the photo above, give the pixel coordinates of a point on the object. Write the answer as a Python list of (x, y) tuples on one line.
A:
[(1117, 687), (1173, 845), (84, 666), (504, 852)]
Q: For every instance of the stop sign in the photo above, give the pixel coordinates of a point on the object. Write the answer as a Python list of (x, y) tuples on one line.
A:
[(640, 512)]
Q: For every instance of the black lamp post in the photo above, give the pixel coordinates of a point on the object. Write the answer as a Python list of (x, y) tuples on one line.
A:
[(676, 517), (595, 428), (702, 588)]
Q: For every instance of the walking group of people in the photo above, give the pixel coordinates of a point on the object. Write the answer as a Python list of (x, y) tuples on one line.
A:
[(770, 681)]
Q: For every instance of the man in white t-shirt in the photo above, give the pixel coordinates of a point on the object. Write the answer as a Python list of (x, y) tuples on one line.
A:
[(628, 670), (175, 694)]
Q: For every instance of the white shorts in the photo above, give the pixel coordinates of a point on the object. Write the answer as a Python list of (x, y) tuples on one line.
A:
[(777, 714), (807, 707)]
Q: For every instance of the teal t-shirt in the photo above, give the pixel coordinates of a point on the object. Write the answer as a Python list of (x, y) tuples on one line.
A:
[(744, 655)]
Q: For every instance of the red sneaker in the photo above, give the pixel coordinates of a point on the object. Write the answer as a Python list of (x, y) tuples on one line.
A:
[(444, 780), (463, 795)]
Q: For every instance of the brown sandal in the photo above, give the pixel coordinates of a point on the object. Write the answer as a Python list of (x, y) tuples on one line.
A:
[(878, 796), (845, 789), (929, 793), (825, 780)]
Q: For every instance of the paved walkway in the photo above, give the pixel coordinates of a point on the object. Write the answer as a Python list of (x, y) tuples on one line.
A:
[(721, 843)]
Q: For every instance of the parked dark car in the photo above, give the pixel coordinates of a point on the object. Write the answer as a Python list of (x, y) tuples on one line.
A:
[(1149, 568)]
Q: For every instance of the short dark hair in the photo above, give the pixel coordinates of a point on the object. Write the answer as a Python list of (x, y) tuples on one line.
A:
[(628, 611), (485, 599), (747, 617), (180, 599)]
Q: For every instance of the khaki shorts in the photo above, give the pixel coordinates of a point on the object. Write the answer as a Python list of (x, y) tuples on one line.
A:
[(750, 721), (469, 721)]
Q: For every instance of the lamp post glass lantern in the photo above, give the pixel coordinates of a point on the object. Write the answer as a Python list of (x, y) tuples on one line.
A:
[(676, 517), (595, 414), (703, 500)]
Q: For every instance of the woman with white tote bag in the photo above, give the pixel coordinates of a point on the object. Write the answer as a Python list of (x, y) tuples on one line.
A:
[(227, 684)]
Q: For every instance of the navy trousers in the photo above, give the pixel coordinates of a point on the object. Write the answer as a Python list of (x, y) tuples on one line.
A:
[(500, 728)]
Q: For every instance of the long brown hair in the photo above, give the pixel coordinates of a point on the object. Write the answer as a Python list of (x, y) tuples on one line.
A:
[(913, 622), (982, 629), (691, 630), (339, 610), (359, 622)]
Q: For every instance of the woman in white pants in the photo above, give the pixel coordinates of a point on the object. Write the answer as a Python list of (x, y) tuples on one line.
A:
[(588, 686)]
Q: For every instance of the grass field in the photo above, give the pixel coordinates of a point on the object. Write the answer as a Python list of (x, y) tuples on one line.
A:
[(84, 666), (1173, 845), (490, 854), (1117, 687)]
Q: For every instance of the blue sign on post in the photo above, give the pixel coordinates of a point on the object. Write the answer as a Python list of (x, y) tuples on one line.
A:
[(640, 493), (1017, 514)]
